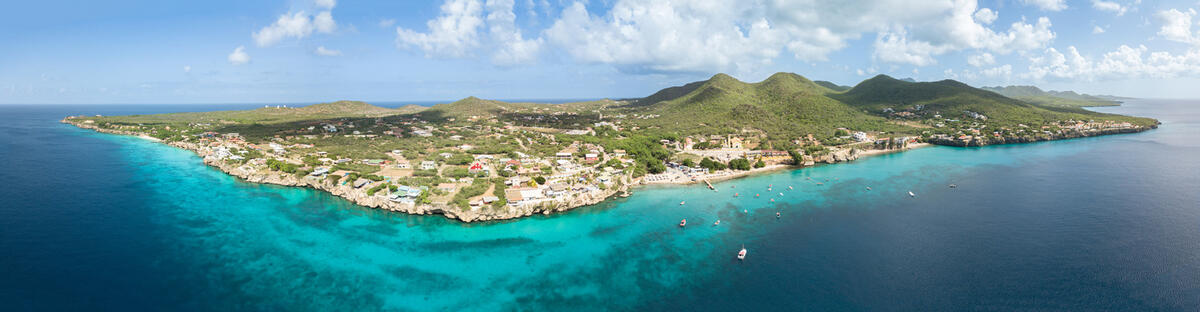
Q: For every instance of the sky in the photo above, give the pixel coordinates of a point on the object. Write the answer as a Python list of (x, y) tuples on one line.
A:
[(307, 51)]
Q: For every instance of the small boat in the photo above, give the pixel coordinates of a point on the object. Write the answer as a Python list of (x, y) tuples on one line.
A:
[(953, 185), (755, 195), (777, 215), (745, 211), (717, 223), (681, 203), (789, 187), (772, 200), (682, 222), (910, 194), (742, 253), (768, 189), (735, 194), (819, 183), (868, 188), (780, 194)]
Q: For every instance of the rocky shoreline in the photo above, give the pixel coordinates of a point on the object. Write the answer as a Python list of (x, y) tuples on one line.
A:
[(985, 141)]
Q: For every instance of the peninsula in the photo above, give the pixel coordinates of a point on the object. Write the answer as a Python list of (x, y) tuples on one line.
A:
[(477, 159)]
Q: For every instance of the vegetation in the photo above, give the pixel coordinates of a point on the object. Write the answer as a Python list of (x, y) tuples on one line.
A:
[(739, 164), (1035, 95)]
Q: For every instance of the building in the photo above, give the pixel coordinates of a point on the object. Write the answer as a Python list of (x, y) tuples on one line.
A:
[(861, 136), (428, 165)]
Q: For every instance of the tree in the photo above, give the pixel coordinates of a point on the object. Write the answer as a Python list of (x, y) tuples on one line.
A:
[(689, 163), (760, 164), (739, 164), (656, 167), (540, 180), (460, 159)]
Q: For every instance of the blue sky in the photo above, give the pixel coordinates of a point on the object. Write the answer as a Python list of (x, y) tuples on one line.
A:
[(325, 50)]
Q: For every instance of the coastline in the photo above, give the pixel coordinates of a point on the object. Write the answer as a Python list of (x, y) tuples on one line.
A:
[(360, 197)]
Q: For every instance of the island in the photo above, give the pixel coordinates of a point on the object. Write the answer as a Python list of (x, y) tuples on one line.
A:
[(477, 159)]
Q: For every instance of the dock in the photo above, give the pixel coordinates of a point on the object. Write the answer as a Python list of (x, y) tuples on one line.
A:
[(710, 186)]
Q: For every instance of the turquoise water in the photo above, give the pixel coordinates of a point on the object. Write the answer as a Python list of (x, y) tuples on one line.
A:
[(98, 221)]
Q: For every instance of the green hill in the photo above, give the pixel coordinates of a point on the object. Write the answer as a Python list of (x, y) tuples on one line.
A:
[(783, 107), (1052, 98), (883, 95), (831, 86)]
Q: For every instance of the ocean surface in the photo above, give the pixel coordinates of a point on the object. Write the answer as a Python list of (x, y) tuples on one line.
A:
[(91, 221)]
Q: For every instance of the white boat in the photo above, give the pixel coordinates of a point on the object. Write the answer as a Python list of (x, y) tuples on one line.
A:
[(681, 203), (868, 188), (682, 222), (742, 254), (777, 215), (789, 187), (717, 223), (910, 194), (780, 194)]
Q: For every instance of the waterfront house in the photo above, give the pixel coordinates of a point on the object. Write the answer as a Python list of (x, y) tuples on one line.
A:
[(361, 182)]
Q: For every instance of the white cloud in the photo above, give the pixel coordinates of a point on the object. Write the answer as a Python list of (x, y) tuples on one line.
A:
[(894, 47), (458, 31), (1124, 63), (981, 60), (1109, 6), (723, 35), (1177, 26), (713, 35), (514, 48), (239, 56), (1047, 5), (387, 22), (986, 16), (1002, 71), (1097, 30), (454, 33), (689, 36), (958, 31), (187, 68), (298, 24), (322, 51), (324, 22)]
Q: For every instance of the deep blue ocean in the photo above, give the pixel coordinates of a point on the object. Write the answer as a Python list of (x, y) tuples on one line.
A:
[(91, 221)]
